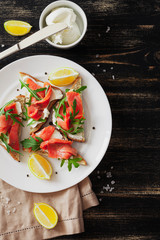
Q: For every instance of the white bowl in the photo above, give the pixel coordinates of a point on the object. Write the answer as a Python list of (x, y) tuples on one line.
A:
[(81, 20)]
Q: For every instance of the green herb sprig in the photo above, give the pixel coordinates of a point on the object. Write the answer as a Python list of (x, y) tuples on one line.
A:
[(4, 138), (32, 92), (71, 162), (32, 143), (9, 113)]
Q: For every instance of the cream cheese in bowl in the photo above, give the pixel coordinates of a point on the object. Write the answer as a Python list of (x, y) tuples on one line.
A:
[(64, 15), (64, 12)]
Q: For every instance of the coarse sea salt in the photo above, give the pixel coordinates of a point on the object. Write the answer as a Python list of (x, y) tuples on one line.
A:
[(104, 70), (2, 45), (108, 174), (108, 29), (98, 65), (97, 55), (112, 182), (113, 77), (93, 74)]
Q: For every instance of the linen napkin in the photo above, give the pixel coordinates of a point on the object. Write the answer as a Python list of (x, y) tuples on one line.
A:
[(17, 220)]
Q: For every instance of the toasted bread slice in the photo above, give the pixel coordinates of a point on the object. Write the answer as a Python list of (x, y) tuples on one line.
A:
[(58, 94), (79, 137), (57, 134), (21, 100)]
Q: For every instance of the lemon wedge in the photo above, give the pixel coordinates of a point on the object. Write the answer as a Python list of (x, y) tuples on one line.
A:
[(17, 28), (63, 76), (45, 215), (39, 166)]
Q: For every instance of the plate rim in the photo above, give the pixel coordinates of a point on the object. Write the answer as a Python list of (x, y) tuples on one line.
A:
[(106, 141)]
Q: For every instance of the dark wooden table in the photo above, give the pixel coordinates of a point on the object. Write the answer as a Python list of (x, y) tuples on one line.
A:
[(122, 49)]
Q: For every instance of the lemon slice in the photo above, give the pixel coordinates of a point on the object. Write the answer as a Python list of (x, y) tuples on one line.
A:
[(63, 76), (45, 215), (39, 166), (17, 28)]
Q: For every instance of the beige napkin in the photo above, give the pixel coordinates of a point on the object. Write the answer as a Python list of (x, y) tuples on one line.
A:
[(17, 220)]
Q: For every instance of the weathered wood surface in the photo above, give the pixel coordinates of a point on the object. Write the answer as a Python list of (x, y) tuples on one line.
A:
[(130, 54)]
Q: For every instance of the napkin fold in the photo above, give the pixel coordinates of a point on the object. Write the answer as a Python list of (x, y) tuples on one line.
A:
[(17, 220)]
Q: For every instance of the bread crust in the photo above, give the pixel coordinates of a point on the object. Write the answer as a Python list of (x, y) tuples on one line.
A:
[(40, 125), (21, 99)]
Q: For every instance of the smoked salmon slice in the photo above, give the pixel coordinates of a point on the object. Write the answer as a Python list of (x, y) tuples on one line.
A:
[(35, 110), (14, 136), (71, 96), (46, 133), (66, 123), (5, 124), (58, 148), (35, 86)]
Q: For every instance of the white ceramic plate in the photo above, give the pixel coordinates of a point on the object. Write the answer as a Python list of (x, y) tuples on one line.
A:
[(97, 113)]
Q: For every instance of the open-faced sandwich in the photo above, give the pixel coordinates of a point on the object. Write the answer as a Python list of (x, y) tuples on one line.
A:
[(68, 113), (10, 125), (50, 142), (39, 101)]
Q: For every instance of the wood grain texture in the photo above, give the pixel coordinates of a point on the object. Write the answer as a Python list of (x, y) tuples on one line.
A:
[(126, 62)]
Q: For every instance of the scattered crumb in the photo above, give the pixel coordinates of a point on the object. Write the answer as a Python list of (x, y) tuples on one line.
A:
[(97, 55), (93, 128), (112, 167), (7, 200), (108, 174), (106, 188), (18, 203), (104, 70), (108, 29), (111, 68), (98, 65), (99, 177), (27, 175), (56, 172), (2, 45), (45, 73), (8, 212), (100, 199), (112, 182), (101, 191), (98, 172), (14, 210), (113, 77), (99, 34), (17, 89), (111, 189), (93, 74)]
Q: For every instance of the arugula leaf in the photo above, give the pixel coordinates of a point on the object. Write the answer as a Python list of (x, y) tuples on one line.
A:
[(67, 90), (62, 162), (2, 109), (12, 116), (3, 138), (25, 113), (40, 120), (62, 102), (71, 162), (80, 89), (47, 89), (32, 92), (32, 143)]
